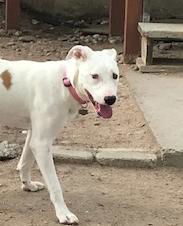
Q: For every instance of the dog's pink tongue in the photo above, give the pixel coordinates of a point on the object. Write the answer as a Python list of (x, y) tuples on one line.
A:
[(105, 111)]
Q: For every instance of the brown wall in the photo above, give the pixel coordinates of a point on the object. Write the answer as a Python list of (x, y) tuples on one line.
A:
[(70, 8), (97, 8), (167, 8)]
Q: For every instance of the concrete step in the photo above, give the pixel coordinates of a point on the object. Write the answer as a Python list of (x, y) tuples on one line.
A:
[(161, 30)]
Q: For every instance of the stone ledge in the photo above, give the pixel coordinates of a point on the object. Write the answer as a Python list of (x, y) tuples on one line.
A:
[(126, 158), (172, 157), (72, 156), (119, 157)]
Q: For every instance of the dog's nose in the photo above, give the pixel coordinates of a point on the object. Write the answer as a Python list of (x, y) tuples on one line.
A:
[(110, 100)]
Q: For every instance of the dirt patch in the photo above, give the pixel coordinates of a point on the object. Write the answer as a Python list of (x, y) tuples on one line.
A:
[(98, 196), (43, 42)]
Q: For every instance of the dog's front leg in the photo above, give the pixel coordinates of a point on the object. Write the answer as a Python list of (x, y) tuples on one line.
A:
[(43, 133), (43, 156)]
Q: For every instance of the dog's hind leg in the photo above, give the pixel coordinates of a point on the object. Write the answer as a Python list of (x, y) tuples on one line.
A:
[(24, 166)]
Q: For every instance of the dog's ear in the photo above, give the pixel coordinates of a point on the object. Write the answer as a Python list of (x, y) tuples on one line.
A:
[(79, 53), (111, 52)]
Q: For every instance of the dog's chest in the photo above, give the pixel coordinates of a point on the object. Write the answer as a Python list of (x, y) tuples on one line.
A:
[(72, 111)]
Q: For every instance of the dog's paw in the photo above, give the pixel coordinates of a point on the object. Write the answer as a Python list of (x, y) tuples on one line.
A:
[(32, 186), (68, 218)]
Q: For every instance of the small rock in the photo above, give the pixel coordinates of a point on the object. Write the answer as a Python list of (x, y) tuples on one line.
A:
[(115, 39), (57, 55), (51, 28), (69, 22), (99, 179), (101, 39), (18, 50), (77, 32), (18, 33), (34, 21), (100, 204), (10, 44), (27, 31), (11, 32), (38, 36), (48, 54), (76, 42), (135, 67), (96, 36), (81, 24), (94, 41), (2, 32), (97, 124), (73, 39), (64, 39), (27, 38), (104, 37), (83, 111), (112, 41), (92, 174), (82, 37), (104, 22), (14, 47), (3, 47), (9, 151), (142, 125), (86, 40)]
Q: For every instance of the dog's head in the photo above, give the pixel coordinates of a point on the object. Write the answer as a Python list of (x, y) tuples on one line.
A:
[(95, 76)]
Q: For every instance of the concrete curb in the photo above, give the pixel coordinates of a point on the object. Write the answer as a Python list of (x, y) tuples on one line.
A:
[(119, 157), (172, 157), (116, 157), (126, 158), (73, 156)]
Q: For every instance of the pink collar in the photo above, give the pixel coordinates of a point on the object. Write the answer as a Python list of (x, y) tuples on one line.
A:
[(73, 92)]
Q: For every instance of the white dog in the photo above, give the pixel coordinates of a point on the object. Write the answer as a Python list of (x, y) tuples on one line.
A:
[(43, 96)]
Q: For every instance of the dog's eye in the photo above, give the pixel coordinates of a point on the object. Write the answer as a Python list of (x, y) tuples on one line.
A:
[(95, 76), (115, 76)]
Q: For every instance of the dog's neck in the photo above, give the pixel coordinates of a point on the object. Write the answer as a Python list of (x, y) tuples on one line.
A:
[(74, 90)]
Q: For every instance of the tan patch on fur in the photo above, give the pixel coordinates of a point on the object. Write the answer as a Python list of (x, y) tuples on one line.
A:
[(6, 77), (79, 54)]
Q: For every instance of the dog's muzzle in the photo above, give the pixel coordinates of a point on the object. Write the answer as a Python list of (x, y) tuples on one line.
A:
[(110, 100)]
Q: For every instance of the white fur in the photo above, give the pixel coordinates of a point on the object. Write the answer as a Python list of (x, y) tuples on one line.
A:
[(38, 101)]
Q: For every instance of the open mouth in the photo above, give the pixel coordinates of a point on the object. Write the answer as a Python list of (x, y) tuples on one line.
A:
[(105, 111)]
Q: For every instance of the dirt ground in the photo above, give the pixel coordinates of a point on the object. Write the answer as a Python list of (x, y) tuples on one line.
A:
[(98, 196), (127, 128)]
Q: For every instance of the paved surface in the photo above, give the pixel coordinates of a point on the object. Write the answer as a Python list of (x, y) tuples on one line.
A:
[(160, 97)]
